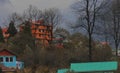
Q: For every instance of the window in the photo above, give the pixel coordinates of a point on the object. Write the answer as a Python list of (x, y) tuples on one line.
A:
[(49, 35), (39, 30), (40, 35), (1, 59), (11, 59), (42, 30), (7, 59)]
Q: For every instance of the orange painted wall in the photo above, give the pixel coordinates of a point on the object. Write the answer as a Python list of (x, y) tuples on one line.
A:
[(40, 31)]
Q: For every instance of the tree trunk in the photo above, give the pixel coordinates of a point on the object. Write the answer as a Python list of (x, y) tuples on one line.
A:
[(90, 47), (34, 68), (116, 47)]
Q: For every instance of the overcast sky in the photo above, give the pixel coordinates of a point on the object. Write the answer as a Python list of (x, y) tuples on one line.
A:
[(9, 6), (20, 5)]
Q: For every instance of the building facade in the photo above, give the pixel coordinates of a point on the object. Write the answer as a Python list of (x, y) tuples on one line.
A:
[(41, 31), (9, 60)]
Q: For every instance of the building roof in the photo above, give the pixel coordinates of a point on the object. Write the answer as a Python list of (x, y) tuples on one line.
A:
[(4, 29), (5, 52), (105, 43), (5, 34), (94, 66), (91, 67), (62, 70)]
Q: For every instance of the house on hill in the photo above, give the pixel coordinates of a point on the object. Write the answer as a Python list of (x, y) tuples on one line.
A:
[(8, 60), (40, 31), (58, 40), (5, 34)]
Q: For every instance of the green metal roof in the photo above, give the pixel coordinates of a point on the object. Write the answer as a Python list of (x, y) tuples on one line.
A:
[(94, 66), (62, 70)]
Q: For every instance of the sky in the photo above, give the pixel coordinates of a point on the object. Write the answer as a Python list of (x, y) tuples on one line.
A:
[(20, 5), (9, 6)]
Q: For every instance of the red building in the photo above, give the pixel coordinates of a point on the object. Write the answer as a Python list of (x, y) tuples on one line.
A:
[(5, 34), (41, 31)]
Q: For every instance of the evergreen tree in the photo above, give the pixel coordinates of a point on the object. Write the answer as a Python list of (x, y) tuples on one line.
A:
[(24, 38), (1, 35), (27, 28), (11, 29)]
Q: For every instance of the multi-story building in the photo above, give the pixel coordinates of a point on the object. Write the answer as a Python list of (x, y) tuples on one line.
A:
[(40, 31)]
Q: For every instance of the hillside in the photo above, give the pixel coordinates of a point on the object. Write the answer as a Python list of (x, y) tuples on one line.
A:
[(38, 57)]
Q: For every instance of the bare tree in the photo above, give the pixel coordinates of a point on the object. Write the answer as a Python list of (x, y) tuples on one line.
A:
[(88, 11), (52, 16), (115, 26), (32, 13), (102, 29), (111, 23), (14, 17)]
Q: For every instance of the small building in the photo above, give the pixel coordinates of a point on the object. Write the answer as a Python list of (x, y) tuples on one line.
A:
[(58, 40), (118, 52), (19, 64), (114, 52), (9, 60), (5, 34)]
